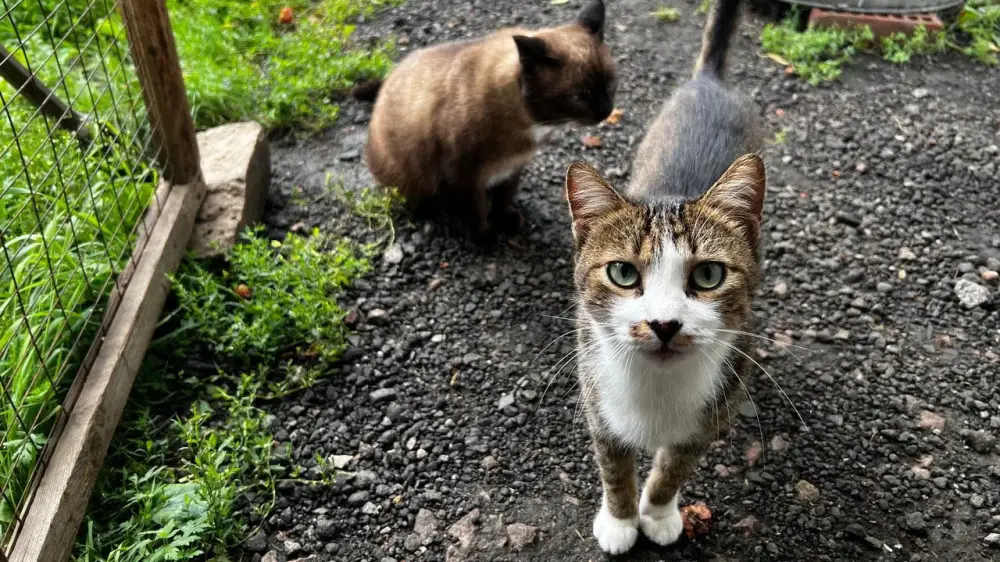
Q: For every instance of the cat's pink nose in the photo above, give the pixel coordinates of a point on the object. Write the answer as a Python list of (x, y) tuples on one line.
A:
[(665, 331)]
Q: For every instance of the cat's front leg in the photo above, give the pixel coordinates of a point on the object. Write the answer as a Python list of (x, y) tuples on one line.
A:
[(659, 515), (503, 213), (615, 526)]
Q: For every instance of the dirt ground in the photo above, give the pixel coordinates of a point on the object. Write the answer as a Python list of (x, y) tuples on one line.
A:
[(457, 402)]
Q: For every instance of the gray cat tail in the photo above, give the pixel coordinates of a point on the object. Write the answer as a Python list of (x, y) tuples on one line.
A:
[(719, 31)]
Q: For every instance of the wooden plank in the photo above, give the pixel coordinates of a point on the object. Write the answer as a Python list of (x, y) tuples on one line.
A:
[(151, 42), (51, 523)]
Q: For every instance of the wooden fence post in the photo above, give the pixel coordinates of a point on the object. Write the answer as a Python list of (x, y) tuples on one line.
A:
[(151, 41), (54, 515)]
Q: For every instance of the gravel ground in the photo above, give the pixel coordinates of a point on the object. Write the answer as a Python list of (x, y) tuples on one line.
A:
[(457, 410)]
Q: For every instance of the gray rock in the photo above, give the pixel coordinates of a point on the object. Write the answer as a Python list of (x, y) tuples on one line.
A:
[(992, 539), (425, 524), (358, 498), (378, 317), (979, 441), (907, 254), (806, 492), (748, 409), (291, 547), (257, 542), (915, 523), (271, 556), (393, 255), (369, 508), (971, 294), (382, 394), (464, 530), (325, 528), (236, 166), (521, 535), (505, 401), (921, 93), (412, 542)]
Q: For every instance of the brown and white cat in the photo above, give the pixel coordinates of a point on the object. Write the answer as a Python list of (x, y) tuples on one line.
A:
[(462, 119), (665, 276)]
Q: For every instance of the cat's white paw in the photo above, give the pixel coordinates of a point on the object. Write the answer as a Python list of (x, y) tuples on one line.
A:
[(661, 524), (614, 535)]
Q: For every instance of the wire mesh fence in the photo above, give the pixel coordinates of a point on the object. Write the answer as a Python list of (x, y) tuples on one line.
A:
[(76, 180)]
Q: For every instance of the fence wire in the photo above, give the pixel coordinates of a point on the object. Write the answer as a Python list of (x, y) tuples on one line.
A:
[(76, 180)]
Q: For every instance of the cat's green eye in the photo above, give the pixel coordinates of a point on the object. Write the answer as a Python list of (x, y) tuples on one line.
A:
[(623, 274), (707, 276)]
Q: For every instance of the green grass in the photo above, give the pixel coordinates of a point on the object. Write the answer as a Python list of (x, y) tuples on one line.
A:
[(818, 55), (66, 218), (241, 62), (67, 212), (666, 14), (194, 463)]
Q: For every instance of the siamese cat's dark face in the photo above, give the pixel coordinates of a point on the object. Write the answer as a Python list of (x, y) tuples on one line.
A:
[(567, 73)]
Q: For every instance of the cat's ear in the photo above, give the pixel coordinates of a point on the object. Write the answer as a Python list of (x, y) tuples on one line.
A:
[(590, 198), (592, 18), (533, 52), (739, 193)]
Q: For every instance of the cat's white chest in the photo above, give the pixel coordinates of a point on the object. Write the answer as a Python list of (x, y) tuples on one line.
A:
[(649, 408)]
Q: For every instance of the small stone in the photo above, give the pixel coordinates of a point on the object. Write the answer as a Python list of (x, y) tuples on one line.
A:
[(842, 335), (340, 461), (364, 479), (382, 394), (421, 454), (920, 473), (781, 289), (971, 294), (393, 255), (861, 167), (425, 524), (977, 500), (748, 524), (505, 401), (906, 254), (806, 491), (489, 463), (358, 498), (291, 547), (271, 556), (930, 421), (915, 523), (412, 542), (883, 287), (437, 338), (778, 443), (378, 317), (748, 409), (990, 276), (257, 542), (470, 358), (464, 529), (979, 441), (325, 528), (921, 93), (349, 155), (992, 539), (521, 535), (369, 508)]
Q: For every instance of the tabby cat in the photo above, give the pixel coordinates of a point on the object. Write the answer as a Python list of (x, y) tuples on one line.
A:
[(665, 275), (462, 119)]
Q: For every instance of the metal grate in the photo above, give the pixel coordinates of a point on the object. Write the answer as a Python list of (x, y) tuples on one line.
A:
[(76, 180)]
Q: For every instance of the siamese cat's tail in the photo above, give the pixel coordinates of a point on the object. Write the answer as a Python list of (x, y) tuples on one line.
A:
[(366, 91), (719, 31)]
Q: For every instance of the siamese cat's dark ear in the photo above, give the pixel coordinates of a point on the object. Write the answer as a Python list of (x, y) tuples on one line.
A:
[(591, 17)]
